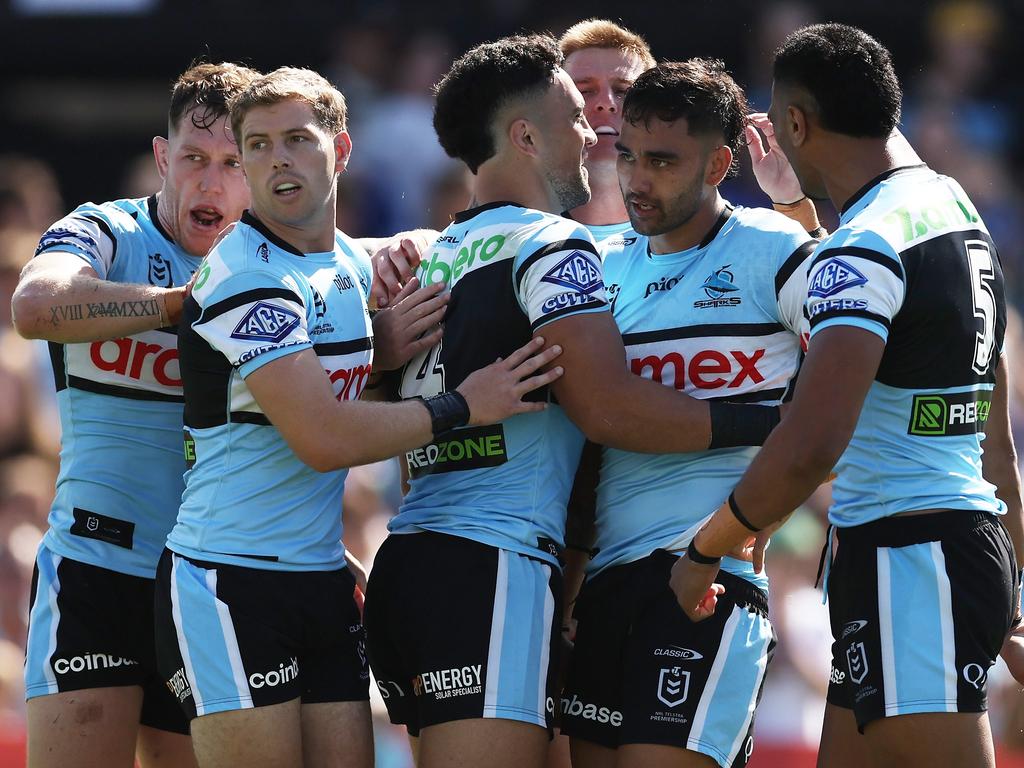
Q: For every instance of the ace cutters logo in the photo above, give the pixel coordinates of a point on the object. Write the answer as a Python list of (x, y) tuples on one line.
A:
[(265, 322), (834, 276), (673, 686), (576, 272)]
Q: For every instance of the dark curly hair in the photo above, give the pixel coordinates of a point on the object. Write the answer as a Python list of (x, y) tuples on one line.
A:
[(699, 90), (480, 82), (204, 90), (848, 73)]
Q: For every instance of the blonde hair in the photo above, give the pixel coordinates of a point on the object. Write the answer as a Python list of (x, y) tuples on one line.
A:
[(291, 83), (602, 33)]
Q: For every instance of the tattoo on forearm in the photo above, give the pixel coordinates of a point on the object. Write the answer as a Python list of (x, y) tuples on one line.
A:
[(146, 308)]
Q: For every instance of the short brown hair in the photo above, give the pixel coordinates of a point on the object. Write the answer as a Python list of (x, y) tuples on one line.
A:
[(602, 33), (204, 90), (291, 83)]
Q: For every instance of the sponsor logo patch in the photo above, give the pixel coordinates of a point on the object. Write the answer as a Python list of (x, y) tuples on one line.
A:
[(577, 272), (939, 415), (852, 626), (67, 235), (683, 654), (178, 685), (90, 662), (468, 448), (835, 275), (284, 673), (265, 322), (449, 683), (264, 253), (575, 708)]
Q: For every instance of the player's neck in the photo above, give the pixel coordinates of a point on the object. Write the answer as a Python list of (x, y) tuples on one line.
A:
[(497, 181), (854, 162), (691, 232), (605, 206), (314, 235)]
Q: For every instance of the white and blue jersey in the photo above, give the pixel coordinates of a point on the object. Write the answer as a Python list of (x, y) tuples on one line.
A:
[(120, 401), (722, 321), (249, 500), (608, 235), (511, 270), (913, 263)]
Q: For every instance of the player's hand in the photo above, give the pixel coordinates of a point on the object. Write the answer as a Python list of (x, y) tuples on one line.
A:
[(409, 326), (772, 170), (1013, 653), (394, 265), (496, 392), (695, 588)]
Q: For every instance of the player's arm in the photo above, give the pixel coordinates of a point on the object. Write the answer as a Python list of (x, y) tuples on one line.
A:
[(798, 455), (999, 459), (329, 434), (61, 298), (616, 408)]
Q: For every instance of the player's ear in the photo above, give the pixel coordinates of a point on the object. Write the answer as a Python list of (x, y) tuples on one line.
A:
[(796, 124), (342, 151), (161, 153), (719, 162), (522, 134)]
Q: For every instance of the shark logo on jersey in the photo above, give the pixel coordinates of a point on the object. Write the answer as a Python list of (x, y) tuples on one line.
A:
[(68, 234), (577, 272), (159, 271), (834, 276), (265, 322), (717, 285)]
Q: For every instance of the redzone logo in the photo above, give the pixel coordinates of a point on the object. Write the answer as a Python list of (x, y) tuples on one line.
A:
[(128, 357), (352, 381), (707, 369)]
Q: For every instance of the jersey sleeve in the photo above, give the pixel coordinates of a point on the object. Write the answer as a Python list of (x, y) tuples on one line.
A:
[(862, 284), (253, 318), (791, 286), (89, 233), (559, 277)]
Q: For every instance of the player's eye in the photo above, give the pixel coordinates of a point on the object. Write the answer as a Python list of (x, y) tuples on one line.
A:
[(233, 163)]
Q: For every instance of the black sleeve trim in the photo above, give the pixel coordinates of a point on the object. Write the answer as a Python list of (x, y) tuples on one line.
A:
[(248, 417), (851, 313), (893, 265), (343, 347), (700, 331), (129, 393), (757, 396), (545, 319), (247, 297), (572, 244), (106, 231), (792, 263)]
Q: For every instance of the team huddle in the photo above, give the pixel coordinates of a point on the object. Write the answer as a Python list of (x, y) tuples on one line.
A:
[(606, 385)]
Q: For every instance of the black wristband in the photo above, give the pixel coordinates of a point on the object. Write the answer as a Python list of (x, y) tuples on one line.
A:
[(735, 509), (741, 424), (447, 411), (694, 554)]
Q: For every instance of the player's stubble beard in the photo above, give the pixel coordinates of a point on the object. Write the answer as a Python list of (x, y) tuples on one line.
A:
[(571, 189), (676, 212)]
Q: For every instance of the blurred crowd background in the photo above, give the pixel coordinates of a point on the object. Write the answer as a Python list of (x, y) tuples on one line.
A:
[(84, 89)]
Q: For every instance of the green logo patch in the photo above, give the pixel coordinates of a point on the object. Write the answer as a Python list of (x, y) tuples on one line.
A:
[(961, 413)]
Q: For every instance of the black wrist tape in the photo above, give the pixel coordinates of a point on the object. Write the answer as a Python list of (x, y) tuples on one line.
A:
[(735, 509), (447, 411), (741, 424), (694, 554)]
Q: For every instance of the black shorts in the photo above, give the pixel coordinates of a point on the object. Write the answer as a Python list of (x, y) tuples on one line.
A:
[(919, 606), (457, 630), (643, 673), (230, 637), (93, 628)]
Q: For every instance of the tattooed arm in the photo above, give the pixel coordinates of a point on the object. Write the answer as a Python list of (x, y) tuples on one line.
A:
[(60, 298)]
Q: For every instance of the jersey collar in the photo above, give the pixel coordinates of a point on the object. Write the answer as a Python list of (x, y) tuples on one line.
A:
[(151, 203), (469, 213), (249, 218), (876, 181)]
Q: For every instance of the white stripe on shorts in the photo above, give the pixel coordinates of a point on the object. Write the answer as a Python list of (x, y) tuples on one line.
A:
[(701, 714), (497, 633), (946, 623), (231, 643), (885, 631), (179, 631)]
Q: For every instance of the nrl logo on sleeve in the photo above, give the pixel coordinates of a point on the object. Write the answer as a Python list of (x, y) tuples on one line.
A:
[(577, 272), (265, 322), (834, 276)]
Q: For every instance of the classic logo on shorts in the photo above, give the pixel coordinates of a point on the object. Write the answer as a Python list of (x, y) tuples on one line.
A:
[(856, 659), (673, 686), (852, 626), (834, 276), (684, 654), (265, 322), (283, 674)]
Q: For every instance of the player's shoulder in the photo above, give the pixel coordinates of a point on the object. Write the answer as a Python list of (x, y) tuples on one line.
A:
[(539, 233), (349, 249), (243, 261)]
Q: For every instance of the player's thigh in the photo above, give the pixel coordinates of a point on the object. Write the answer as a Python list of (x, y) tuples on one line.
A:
[(337, 734), (931, 740), (157, 748), (842, 745), (588, 754), (496, 743), (90, 727), (661, 756), (558, 752), (259, 737)]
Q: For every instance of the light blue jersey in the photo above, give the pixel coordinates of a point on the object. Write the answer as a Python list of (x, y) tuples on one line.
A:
[(913, 263), (120, 401), (722, 321), (249, 499), (511, 270), (609, 235)]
